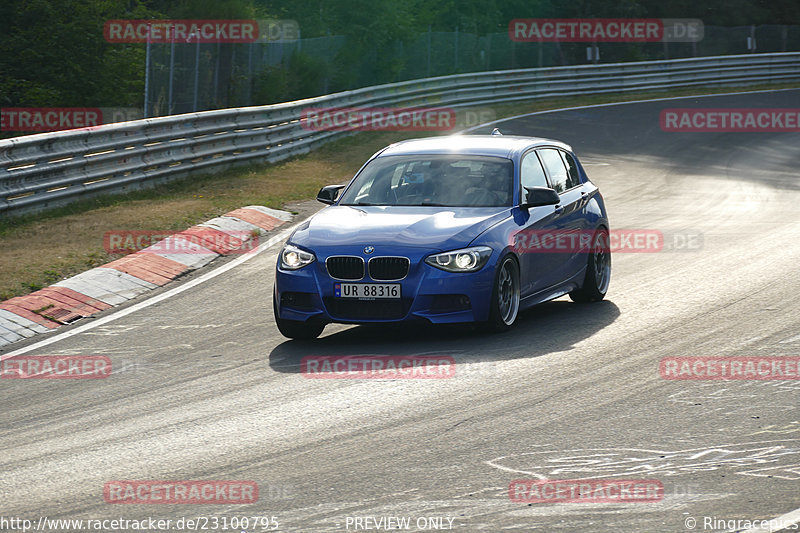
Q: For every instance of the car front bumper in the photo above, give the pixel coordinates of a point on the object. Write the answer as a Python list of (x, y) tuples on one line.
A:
[(427, 293)]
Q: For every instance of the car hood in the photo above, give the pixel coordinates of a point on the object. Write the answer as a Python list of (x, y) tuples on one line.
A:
[(436, 228)]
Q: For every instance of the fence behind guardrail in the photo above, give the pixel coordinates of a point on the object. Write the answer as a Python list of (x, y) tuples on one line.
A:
[(50, 169)]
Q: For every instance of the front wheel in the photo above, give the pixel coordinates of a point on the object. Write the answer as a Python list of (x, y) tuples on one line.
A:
[(505, 296), (598, 270), (294, 329)]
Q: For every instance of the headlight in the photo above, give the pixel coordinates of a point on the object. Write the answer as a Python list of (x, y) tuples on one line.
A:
[(466, 260), (293, 257)]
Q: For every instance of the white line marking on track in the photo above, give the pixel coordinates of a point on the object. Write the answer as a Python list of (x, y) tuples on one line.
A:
[(791, 341), (546, 111), (792, 517), (155, 299), (789, 519), (278, 238)]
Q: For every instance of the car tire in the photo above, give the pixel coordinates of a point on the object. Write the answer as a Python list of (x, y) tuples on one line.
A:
[(598, 270), (504, 306), (294, 329)]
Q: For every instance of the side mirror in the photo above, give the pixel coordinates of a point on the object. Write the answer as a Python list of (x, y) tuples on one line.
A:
[(539, 196), (328, 194)]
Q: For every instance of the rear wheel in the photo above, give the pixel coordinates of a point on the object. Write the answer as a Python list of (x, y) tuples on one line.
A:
[(294, 329), (505, 296), (598, 270)]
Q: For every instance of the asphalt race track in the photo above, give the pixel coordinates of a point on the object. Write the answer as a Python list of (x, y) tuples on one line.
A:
[(205, 388)]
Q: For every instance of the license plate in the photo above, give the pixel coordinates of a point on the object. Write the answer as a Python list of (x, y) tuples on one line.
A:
[(367, 291)]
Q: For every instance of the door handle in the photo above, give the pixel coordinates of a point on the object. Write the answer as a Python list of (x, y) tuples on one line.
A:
[(559, 209)]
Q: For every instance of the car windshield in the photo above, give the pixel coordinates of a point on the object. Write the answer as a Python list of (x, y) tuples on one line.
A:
[(439, 180)]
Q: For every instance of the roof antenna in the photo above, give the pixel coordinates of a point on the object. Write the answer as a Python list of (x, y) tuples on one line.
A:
[(496, 131)]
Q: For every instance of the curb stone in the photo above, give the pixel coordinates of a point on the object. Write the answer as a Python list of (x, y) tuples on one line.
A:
[(114, 283)]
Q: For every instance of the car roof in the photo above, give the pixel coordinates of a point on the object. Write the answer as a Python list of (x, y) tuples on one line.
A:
[(485, 145)]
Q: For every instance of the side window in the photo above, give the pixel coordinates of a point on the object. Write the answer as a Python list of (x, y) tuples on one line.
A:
[(531, 172), (574, 178), (555, 168)]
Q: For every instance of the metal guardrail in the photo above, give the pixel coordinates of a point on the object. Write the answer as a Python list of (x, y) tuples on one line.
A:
[(46, 170)]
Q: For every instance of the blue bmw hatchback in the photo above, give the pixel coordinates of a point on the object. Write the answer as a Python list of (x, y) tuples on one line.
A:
[(454, 229)]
